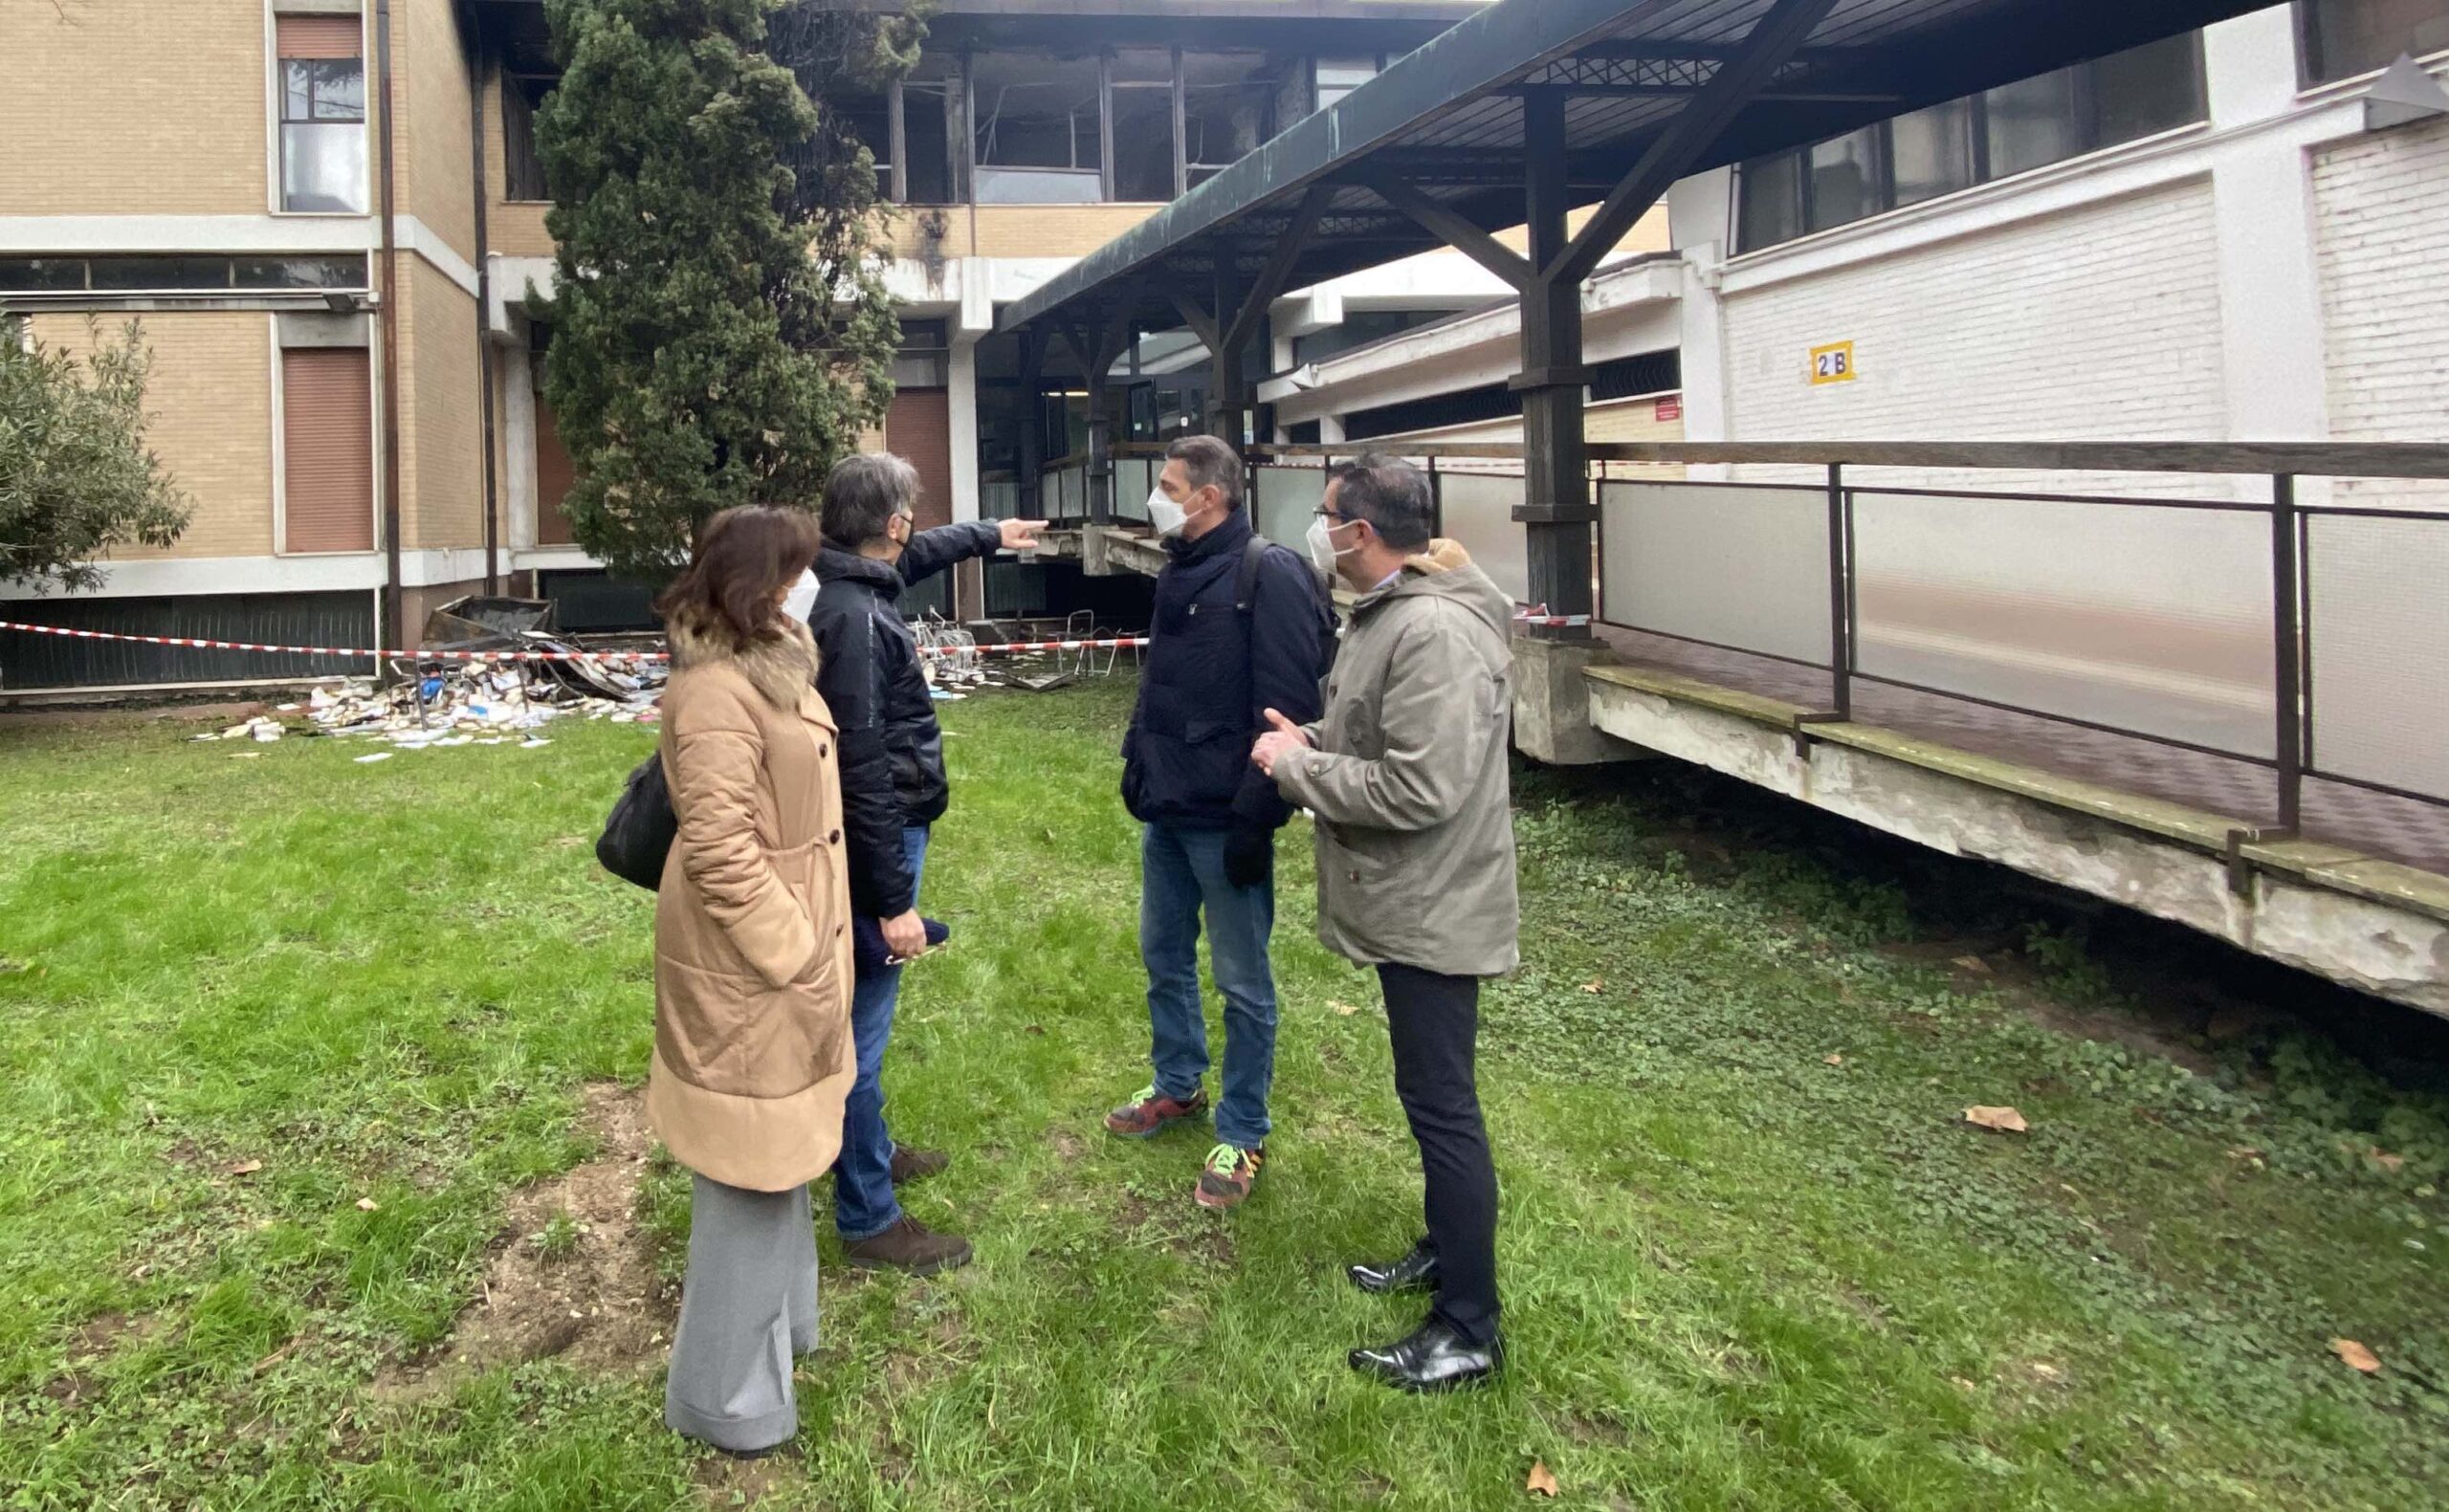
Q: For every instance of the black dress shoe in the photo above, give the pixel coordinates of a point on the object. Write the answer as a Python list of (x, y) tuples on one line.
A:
[(1434, 1359), (1416, 1271)]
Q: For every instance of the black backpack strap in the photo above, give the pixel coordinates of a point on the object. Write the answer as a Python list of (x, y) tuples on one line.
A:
[(1246, 584)]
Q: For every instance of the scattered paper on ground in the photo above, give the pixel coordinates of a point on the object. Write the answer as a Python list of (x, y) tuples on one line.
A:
[(2005, 1120), (454, 707), (2356, 1355)]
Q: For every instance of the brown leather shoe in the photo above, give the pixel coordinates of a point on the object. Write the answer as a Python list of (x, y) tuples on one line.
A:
[(916, 1165), (908, 1246)]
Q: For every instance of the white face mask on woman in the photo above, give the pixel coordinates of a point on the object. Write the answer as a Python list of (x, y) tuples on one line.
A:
[(802, 598)]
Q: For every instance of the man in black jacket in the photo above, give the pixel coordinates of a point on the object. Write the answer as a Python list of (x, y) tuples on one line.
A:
[(893, 789), (1217, 662)]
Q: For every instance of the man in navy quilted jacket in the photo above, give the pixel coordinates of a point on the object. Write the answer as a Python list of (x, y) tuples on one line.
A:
[(1216, 663)]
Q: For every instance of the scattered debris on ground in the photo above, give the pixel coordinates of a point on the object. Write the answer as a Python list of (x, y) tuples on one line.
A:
[(573, 1274), (470, 703)]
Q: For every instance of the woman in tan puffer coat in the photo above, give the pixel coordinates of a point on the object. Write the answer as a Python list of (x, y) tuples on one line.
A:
[(752, 973)]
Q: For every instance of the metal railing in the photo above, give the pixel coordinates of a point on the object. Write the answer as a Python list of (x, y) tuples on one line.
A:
[(2309, 639), (2304, 638)]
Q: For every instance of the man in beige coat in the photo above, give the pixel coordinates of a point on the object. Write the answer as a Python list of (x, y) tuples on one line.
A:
[(1406, 778)]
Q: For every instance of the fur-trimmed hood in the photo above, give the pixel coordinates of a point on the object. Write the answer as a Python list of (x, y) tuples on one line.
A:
[(1444, 570), (779, 667)]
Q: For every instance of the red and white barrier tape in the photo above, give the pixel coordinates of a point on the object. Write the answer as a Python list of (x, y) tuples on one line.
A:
[(1121, 643), (195, 643)]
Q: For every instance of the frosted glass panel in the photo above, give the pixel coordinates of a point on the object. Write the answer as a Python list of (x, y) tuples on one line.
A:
[(2379, 623), (2150, 619), (1478, 510), (1067, 493), (1736, 565), (1133, 478), (999, 498), (1288, 500)]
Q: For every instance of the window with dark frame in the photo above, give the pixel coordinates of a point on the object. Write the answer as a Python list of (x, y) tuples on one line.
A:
[(1228, 108), (140, 273), (322, 114), (1142, 90), (1998, 134), (2341, 38), (870, 119), (1039, 126), (522, 170), (1130, 125), (929, 109)]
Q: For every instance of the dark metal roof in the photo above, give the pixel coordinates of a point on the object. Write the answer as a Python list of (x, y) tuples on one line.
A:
[(1448, 118)]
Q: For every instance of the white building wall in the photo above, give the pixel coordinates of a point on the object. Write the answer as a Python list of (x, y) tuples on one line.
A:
[(2383, 209), (2102, 323), (2270, 275)]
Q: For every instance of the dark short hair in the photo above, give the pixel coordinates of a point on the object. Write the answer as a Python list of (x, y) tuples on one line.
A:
[(1209, 463), (1390, 494), (863, 494), (744, 557)]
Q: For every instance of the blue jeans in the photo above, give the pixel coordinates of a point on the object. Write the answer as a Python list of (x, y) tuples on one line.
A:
[(1181, 872), (863, 1201)]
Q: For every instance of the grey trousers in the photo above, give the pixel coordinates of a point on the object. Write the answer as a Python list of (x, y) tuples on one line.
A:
[(747, 1305)]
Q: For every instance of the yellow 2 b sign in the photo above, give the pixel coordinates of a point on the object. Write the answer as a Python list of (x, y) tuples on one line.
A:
[(1832, 364)]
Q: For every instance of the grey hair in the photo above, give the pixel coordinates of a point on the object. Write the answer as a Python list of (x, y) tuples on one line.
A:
[(1209, 463), (863, 494), (1391, 495)]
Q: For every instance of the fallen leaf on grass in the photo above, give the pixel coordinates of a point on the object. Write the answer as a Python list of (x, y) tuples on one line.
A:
[(2387, 1161), (368, 1205), (1971, 963), (2004, 1120), (1596, 985), (2356, 1355), (1542, 1481), (1347, 1010), (246, 1168), (1832, 1059)]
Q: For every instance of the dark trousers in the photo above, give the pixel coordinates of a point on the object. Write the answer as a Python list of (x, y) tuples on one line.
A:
[(1434, 1023)]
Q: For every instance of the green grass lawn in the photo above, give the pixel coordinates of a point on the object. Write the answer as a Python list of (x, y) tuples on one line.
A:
[(1753, 1258)]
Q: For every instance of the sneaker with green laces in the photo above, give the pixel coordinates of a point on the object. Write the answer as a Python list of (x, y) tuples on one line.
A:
[(1151, 1112), (1228, 1175)]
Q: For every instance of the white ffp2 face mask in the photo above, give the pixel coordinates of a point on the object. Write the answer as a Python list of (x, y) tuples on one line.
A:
[(1322, 544), (1168, 516), (802, 598)]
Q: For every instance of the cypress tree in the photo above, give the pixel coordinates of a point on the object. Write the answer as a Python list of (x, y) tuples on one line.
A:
[(720, 332)]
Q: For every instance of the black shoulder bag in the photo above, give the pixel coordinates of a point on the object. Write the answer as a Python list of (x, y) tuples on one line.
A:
[(638, 834)]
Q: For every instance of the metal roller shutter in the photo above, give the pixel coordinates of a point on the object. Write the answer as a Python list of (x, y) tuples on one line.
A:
[(318, 36), (327, 437)]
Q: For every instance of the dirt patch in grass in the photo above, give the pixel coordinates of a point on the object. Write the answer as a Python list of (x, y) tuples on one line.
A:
[(1066, 1143), (723, 1482), (572, 1276)]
